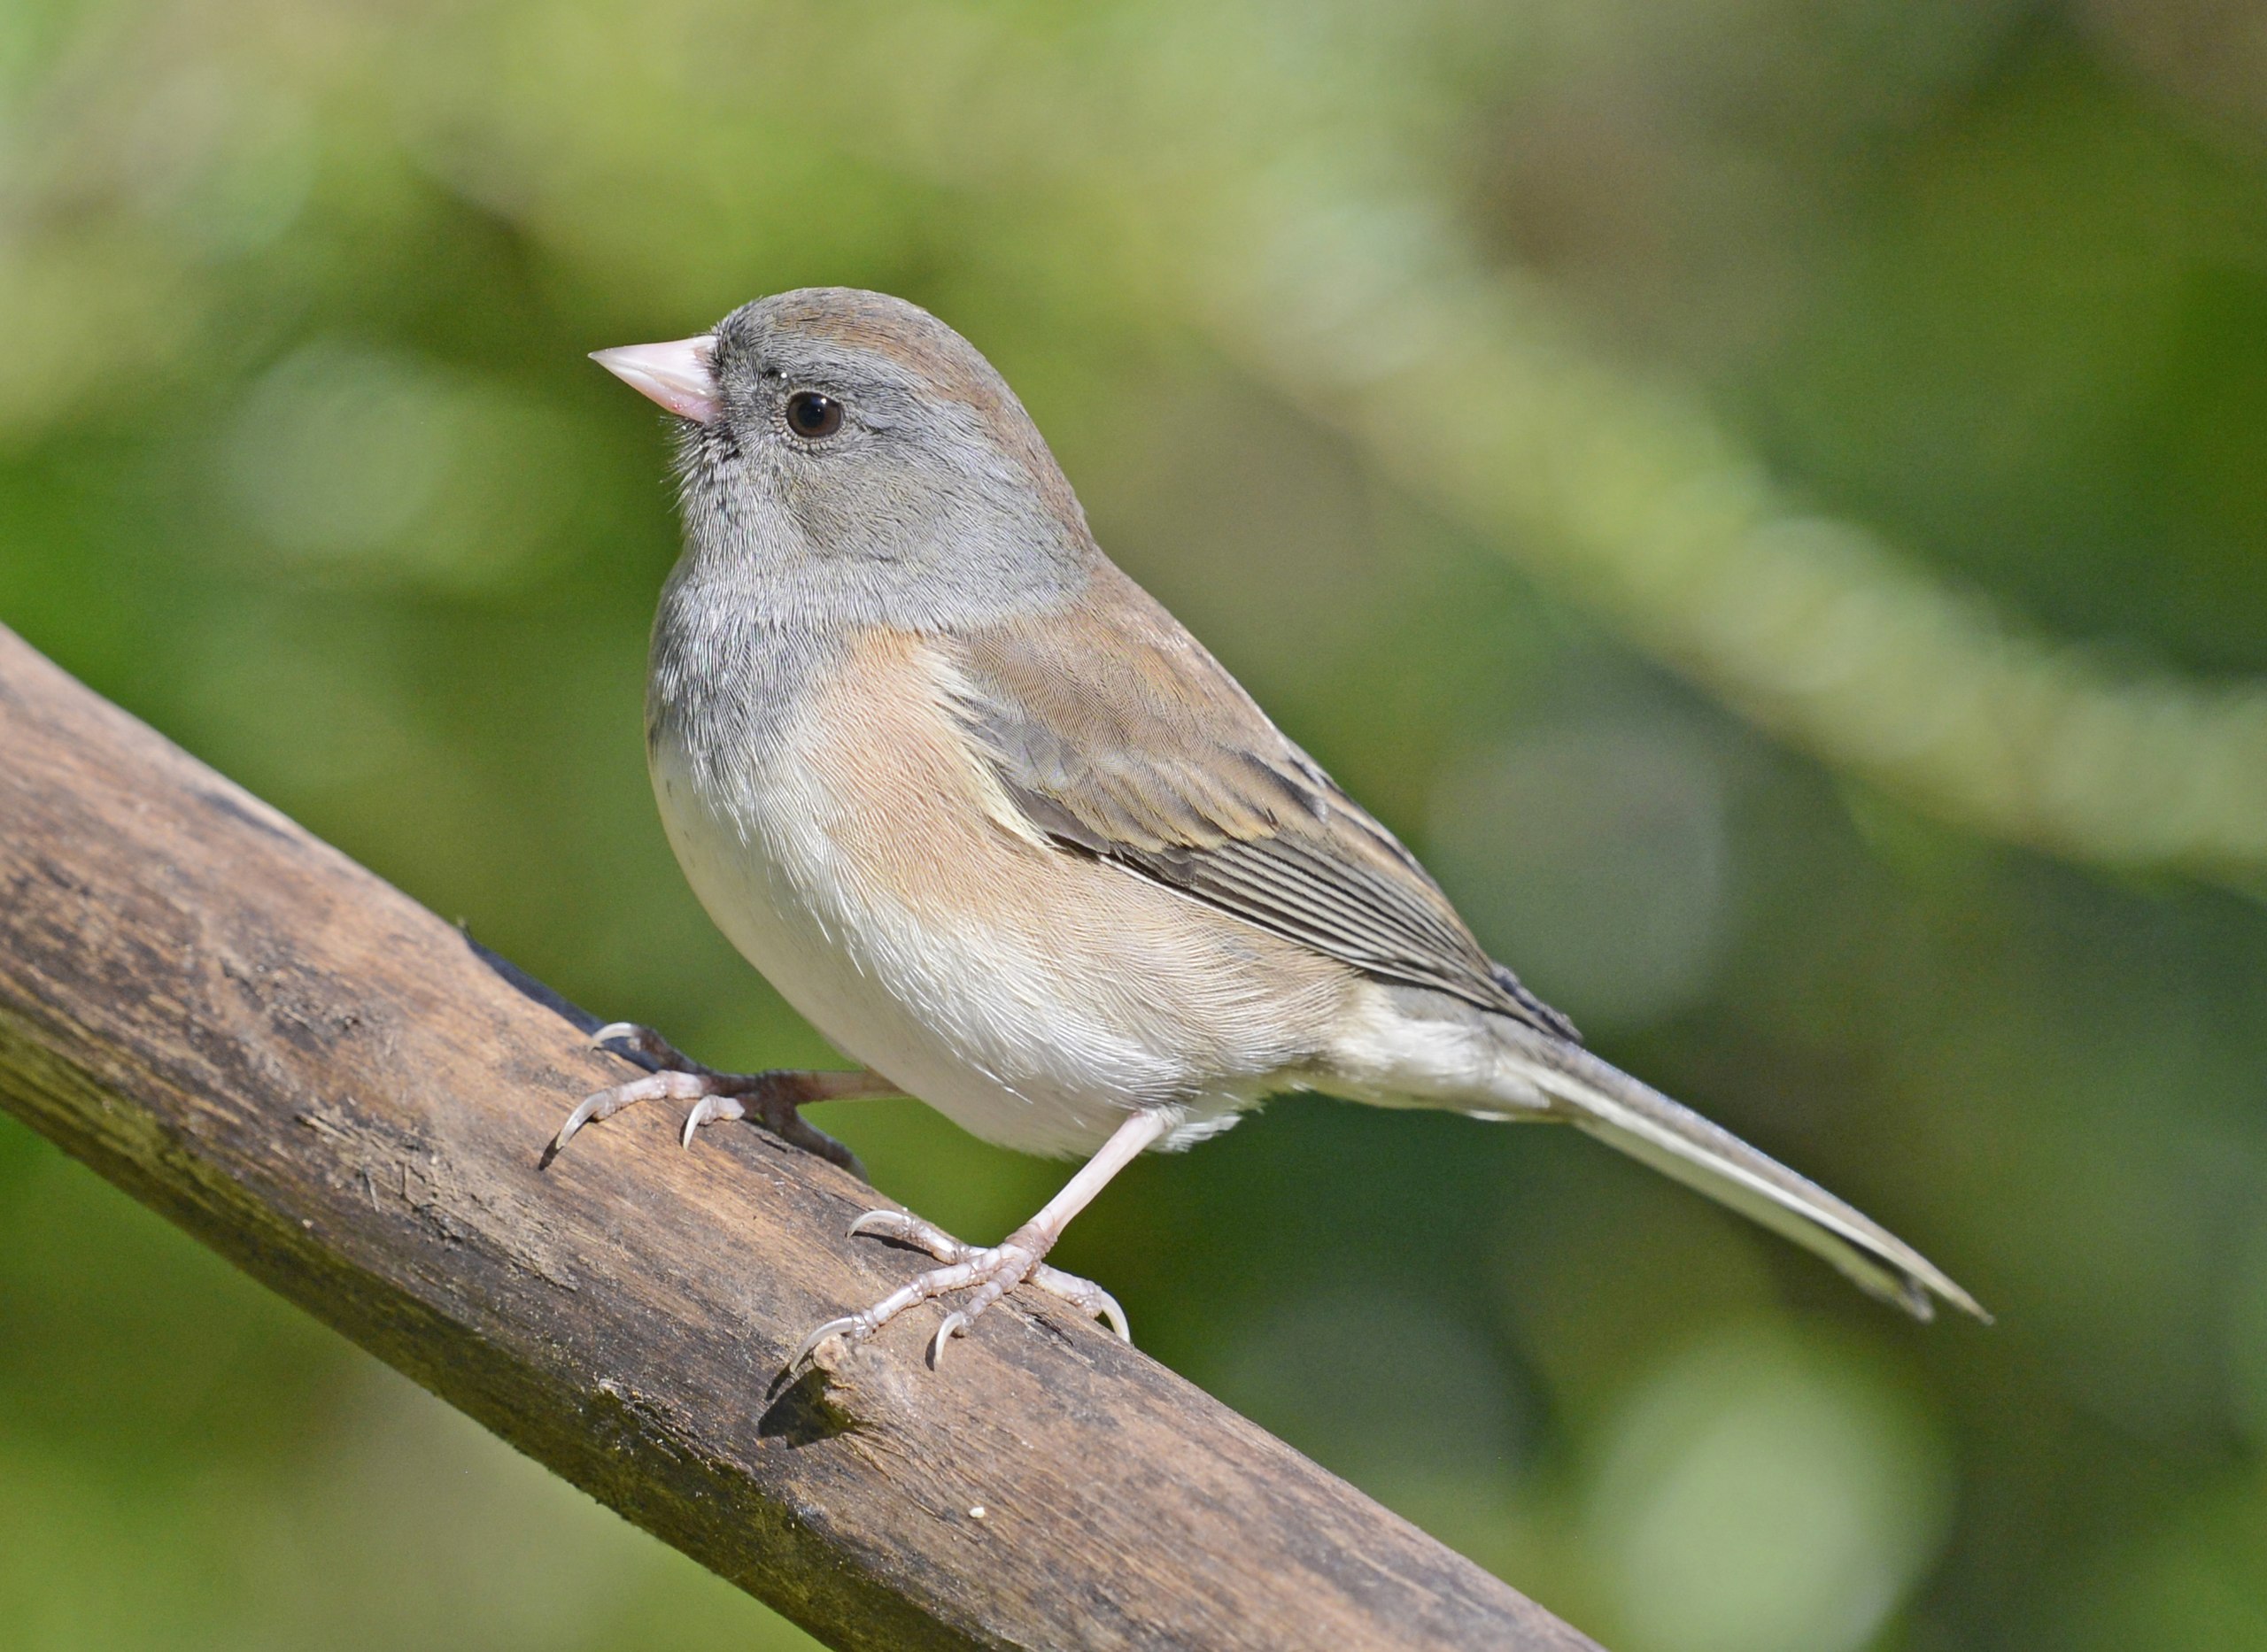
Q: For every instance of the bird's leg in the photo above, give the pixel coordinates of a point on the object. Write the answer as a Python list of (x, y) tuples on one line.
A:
[(988, 1274), (773, 1099), (1083, 1294)]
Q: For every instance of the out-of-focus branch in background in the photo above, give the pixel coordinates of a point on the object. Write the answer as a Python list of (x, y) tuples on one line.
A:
[(1205, 153)]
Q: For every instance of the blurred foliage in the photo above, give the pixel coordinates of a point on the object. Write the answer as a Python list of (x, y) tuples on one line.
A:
[(1767, 497)]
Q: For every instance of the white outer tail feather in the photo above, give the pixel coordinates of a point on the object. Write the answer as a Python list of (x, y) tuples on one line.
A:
[(1604, 1102)]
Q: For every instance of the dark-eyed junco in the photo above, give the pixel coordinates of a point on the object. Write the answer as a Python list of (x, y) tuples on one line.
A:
[(989, 817)]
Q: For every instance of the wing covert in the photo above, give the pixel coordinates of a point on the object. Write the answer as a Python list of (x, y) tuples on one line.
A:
[(1117, 735)]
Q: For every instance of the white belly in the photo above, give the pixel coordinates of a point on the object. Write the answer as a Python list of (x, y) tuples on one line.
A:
[(983, 1026)]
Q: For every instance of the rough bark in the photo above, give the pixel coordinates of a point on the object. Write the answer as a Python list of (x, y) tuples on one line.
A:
[(347, 1097)]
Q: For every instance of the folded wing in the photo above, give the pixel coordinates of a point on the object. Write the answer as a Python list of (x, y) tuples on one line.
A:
[(1118, 735)]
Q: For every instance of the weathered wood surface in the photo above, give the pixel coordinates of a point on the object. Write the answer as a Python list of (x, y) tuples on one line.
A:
[(329, 1085)]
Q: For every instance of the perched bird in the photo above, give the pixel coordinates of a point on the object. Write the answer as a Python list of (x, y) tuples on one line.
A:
[(1005, 833)]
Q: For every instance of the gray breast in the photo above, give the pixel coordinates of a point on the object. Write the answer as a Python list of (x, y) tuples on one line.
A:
[(727, 675)]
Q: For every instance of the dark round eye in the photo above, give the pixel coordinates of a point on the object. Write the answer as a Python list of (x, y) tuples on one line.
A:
[(813, 415)]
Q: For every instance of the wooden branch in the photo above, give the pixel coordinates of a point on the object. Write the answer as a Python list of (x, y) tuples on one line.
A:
[(345, 1096)]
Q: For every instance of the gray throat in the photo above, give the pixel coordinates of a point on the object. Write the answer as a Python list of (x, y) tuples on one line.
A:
[(740, 640)]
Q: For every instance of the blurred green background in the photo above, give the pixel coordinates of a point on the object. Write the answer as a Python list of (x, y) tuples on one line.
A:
[(1769, 497)]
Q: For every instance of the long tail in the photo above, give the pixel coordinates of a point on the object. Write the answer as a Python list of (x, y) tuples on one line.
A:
[(1599, 1098)]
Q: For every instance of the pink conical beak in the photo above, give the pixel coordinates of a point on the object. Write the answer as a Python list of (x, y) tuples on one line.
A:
[(677, 375)]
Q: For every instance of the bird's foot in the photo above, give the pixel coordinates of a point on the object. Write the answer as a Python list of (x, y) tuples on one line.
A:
[(987, 1274), (773, 1100)]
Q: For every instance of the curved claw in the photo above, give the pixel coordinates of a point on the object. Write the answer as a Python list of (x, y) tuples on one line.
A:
[(585, 1112), (708, 1110), (883, 1223), (907, 1228), (1086, 1296), (846, 1327), (646, 1047), (1107, 1310), (955, 1324)]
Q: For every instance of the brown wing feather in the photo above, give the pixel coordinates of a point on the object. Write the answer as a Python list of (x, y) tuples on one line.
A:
[(1118, 735)]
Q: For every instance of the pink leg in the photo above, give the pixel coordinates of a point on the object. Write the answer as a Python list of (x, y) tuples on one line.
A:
[(988, 1275), (773, 1097)]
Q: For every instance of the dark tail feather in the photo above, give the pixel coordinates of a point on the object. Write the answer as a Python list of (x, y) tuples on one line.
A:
[(1597, 1097)]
